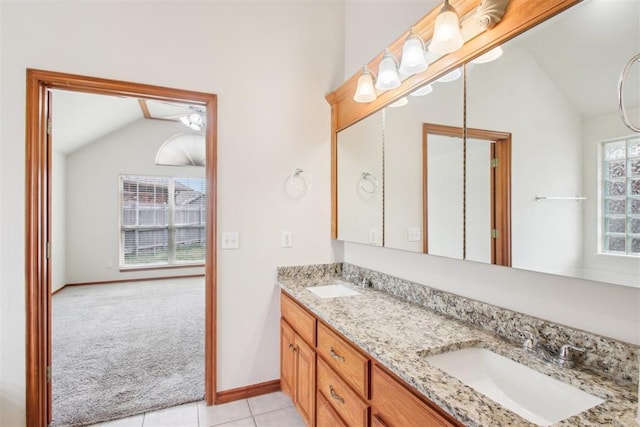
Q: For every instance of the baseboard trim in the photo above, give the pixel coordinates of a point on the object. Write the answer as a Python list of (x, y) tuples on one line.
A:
[(247, 391), (139, 279)]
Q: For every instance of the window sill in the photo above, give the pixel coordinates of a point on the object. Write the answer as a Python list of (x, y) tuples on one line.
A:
[(158, 267), (622, 256)]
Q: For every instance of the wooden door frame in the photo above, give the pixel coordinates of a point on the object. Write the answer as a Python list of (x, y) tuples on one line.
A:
[(500, 185), (38, 219)]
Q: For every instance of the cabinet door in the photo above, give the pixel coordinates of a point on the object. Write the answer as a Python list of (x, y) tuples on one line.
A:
[(394, 406), (287, 359), (305, 387), (327, 416)]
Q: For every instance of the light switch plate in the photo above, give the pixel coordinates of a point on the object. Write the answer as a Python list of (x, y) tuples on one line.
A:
[(230, 240)]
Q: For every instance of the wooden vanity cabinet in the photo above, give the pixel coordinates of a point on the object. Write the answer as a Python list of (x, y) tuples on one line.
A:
[(394, 405), (333, 383), (298, 358)]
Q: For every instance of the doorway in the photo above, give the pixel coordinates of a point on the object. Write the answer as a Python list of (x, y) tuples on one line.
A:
[(39, 222), (491, 162)]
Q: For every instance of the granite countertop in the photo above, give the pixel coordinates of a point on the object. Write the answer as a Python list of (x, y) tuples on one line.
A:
[(398, 334)]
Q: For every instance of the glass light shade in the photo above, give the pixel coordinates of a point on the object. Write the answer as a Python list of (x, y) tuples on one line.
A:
[(446, 35), (413, 59), (387, 73), (424, 90), (365, 91), (399, 103), (450, 76), (492, 55)]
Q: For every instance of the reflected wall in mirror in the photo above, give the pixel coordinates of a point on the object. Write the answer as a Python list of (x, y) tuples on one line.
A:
[(360, 179), (554, 90), (439, 102)]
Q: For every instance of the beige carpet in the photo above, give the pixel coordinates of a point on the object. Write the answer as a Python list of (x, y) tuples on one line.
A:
[(126, 348)]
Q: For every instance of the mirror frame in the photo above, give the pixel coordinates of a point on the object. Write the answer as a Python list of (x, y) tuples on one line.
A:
[(519, 16)]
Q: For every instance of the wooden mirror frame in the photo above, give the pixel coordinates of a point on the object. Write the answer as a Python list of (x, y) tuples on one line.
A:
[(519, 16)]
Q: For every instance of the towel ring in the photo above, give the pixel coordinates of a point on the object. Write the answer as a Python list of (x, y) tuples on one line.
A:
[(299, 181), (368, 183), (623, 77)]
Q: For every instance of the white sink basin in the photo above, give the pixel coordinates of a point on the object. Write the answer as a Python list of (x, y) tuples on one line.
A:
[(532, 395), (332, 291)]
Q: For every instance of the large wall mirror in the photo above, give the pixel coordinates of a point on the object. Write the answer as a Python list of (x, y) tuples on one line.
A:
[(548, 105)]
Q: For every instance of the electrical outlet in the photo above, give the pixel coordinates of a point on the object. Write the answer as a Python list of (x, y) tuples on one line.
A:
[(413, 234), (373, 235), (230, 240), (287, 239)]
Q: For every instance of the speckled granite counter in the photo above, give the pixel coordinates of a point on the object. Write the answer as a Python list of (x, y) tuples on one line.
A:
[(398, 334)]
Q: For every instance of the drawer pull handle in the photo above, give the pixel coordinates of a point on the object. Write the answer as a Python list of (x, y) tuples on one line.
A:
[(290, 346), (335, 395), (336, 355)]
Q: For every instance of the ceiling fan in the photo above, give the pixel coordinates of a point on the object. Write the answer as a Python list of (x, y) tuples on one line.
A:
[(192, 116)]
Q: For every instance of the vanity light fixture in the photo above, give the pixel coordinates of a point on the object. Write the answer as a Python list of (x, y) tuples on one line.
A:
[(388, 72), (365, 92), (424, 90), (489, 56), (413, 55), (446, 34), (399, 103), (450, 76)]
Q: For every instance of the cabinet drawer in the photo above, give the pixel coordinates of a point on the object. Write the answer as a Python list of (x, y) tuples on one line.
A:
[(395, 406), (349, 363), (302, 322), (351, 408), (326, 415)]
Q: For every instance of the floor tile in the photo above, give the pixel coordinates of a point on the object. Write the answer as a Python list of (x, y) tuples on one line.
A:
[(178, 416), (215, 415), (287, 417), (245, 422), (269, 402), (134, 421)]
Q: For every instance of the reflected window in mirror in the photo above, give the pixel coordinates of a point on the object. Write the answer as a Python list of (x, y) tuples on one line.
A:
[(621, 196)]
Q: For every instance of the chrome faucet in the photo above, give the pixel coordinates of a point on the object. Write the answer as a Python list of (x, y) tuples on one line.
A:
[(364, 282), (563, 358)]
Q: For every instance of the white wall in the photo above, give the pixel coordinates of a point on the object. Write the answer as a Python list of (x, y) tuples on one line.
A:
[(602, 308), (272, 118), (93, 236), (58, 227), (360, 201), (374, 24), (403, 165), (546, 153)]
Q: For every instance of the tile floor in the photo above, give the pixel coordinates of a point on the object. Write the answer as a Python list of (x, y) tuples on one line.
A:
[(269, 410)]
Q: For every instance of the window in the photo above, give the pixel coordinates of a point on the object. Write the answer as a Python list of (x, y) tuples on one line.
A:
[(162, 220), (621, 196)]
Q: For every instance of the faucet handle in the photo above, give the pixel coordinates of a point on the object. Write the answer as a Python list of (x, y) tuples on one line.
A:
[(565, 353), (530, 339)]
